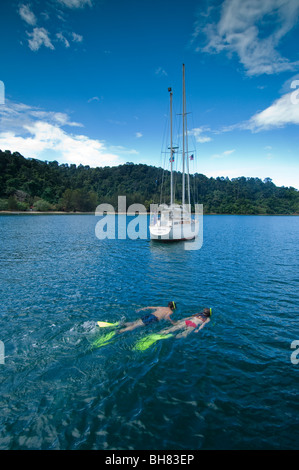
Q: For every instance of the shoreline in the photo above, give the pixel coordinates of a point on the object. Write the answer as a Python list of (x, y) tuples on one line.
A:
[(125, 213)]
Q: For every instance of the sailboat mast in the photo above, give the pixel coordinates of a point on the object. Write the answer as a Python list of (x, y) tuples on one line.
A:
[(188, 174), (184, 112), (171, 150), (185, 143)]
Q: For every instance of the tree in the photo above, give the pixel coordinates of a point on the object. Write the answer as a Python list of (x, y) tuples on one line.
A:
[(72, 188), (41, 205)]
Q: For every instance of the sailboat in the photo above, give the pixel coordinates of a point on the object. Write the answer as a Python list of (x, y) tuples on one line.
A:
[(174, 222)]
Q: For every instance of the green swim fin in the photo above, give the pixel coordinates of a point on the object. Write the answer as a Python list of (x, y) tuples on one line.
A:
[(148, 341), (105, 324), (103, 340)]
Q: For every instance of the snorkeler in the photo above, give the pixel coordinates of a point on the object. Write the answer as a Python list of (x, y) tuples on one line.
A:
[(160, 313), (194, 323)]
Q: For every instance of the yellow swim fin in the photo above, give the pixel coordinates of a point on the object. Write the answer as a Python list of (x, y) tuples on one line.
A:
[(105, 324), (149, 340), (103, 340)]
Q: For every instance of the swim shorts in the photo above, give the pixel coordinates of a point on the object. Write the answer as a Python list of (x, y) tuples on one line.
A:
[(149, 318)]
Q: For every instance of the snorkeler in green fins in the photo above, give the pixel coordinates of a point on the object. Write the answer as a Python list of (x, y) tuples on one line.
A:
[(193, 323), (159, 313)]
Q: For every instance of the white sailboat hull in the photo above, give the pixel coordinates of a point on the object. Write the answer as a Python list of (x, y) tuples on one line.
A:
[(175, 232)]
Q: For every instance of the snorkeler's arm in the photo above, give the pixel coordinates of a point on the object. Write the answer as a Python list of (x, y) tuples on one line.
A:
[(171, 321), (202, 325), (146, 308)]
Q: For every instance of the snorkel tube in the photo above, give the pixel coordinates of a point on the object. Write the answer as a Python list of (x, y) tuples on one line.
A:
[(207, 312)]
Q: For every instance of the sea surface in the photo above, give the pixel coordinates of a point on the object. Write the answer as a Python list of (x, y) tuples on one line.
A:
[(234, 385)]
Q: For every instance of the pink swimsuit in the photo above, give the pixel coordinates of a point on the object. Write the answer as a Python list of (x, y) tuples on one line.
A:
[(190, 323)]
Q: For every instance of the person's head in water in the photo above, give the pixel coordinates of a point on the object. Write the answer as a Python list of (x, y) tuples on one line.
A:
[(207, 312), (172, 305)]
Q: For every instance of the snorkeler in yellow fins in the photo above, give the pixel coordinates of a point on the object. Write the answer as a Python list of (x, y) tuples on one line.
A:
[(194, 323), (158, 314)]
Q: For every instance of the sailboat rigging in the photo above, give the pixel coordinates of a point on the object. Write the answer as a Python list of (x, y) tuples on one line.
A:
[(174, 222)]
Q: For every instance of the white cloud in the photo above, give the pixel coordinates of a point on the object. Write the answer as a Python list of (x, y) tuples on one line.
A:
[(78, 149), (27, 15), (282, 112), (243, 29), (14, 116), (45, 15), (94, 98), (123, 150), (61, 119), (39, 37), (63, 39), (198, 134), (36, 133), (138, 135), (77, 37), (223, 154), (161, 72), (75, 3)]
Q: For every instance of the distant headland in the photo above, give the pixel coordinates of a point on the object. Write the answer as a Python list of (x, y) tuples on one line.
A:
[(33, 186)]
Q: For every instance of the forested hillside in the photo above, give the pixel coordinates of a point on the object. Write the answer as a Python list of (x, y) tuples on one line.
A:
[(33, 184)]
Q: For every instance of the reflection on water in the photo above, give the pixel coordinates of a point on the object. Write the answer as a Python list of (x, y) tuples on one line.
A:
[(232, 386)]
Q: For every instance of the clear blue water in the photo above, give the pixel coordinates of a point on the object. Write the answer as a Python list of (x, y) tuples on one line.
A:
[(232, 386)]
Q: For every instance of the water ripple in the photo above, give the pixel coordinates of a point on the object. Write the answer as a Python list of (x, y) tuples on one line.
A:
[(232, 386)]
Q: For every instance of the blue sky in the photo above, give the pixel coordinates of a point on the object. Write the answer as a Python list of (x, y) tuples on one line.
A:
[(86, 82)]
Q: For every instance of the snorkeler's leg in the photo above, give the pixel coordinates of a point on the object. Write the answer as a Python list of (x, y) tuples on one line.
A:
[(171, 329), (132, 325), (185, 333)]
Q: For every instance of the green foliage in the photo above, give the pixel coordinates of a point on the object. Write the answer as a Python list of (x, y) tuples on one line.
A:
[(41, 205), (22, 206), (3, 205), (12, 203), (49, 185), (79, 200)]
